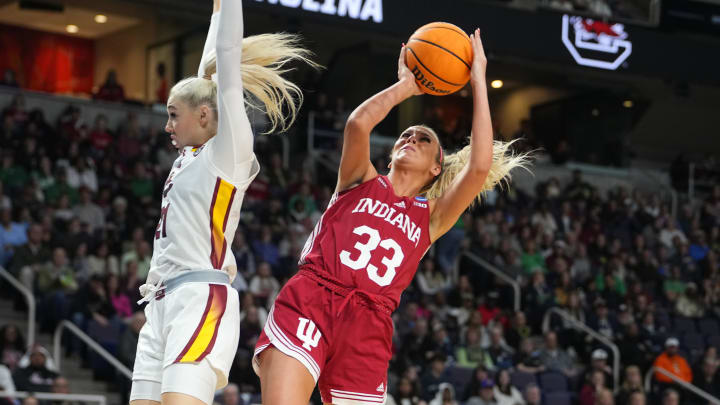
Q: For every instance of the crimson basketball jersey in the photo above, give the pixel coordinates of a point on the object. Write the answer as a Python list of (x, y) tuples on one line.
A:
[(370, 239)]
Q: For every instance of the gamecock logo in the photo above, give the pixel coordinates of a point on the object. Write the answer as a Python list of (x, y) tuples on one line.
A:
[(595, 43)]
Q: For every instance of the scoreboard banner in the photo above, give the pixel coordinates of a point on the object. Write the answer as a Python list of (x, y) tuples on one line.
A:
[(541, 35)]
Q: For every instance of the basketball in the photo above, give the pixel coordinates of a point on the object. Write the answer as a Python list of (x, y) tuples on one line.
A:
[(439, 55)]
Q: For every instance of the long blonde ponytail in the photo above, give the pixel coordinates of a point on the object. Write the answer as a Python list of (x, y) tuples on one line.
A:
[(504, 160), (263, 63)]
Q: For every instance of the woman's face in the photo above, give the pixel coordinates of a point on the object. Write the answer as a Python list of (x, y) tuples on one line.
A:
[(185, 124), (10, 334), (504, 378), (417, 148)]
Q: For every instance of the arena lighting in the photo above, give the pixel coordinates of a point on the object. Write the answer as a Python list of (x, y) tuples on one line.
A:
[(101, 19), (595, 112), (72, 28), (628, 104), (496, 84)]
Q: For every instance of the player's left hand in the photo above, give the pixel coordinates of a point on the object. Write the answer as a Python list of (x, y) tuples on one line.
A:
[(479, 65)]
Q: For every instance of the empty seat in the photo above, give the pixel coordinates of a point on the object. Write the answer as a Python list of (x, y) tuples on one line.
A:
[(682, 325), (553, 382), (694, 344), (709, 326), (713, 340), (459, 377), (558, 398), (521, 380)]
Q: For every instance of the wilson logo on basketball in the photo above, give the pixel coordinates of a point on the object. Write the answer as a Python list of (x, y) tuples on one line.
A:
[(420, 78)]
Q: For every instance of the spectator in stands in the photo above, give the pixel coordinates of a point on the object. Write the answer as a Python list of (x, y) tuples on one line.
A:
[(12, 346), (102, 262), (139, 254), (500, 353), (28, 256), (527, 359), (263, 285), (128, 341), (634, 348), (602, 321), (266, 249), (9, 78), (690, 304), (532, 260), (12, 235), (555, 358), (485, 395), (89, 212), (504, 392), (518, 330), (100, 136), (6, 384), (604, 397), (111, 90), (632, 383), (444, 396), (161, 93), (30, 400), (670, 397), (472, 354), (82, 174), (670, 232), (707, 378), (594, 385), (434, 377), (533, 395), (598, 362), (565, 5), (405, 394), (231, 395), (671, 361), (431, 280), (37, 376), (62, 386)]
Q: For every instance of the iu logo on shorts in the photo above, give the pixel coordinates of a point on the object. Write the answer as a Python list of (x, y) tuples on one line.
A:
[(305, 333)]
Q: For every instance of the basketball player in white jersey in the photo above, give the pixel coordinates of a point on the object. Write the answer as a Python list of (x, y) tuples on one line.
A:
[(187, 346)]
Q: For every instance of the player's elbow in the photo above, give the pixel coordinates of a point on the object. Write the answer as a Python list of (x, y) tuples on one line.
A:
[(356, 125)]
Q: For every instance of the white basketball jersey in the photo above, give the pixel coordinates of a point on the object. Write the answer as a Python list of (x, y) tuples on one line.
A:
[(200, 213)]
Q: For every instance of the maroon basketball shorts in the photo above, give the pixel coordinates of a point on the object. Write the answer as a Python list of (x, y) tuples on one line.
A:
[(343, 338)]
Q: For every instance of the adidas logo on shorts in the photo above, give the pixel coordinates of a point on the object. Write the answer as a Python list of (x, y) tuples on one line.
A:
[(380, 388)]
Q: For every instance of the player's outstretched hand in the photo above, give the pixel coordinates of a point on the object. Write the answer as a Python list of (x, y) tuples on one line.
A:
[(479, 65), (405, 75)]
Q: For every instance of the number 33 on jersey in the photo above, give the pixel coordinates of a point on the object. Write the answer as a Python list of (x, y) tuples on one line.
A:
[(370, 238)]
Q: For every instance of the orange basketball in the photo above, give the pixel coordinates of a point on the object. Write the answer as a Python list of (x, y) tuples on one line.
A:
[(439, 55)]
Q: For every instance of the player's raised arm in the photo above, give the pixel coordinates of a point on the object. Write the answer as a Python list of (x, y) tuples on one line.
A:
[(254, 65), (479, 166), (233, 149), (211, 40), (355, 164)]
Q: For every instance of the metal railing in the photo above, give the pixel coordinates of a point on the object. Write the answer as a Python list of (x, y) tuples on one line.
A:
[(100, 399), (690, 387), (501, 274), (29, 298), (90, 342), (593, 333)]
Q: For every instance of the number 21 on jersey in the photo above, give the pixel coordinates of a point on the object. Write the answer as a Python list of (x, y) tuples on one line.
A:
[(366, 251)]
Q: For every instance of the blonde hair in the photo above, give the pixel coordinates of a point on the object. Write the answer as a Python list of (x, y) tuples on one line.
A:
[(504, 160), (263, 62)]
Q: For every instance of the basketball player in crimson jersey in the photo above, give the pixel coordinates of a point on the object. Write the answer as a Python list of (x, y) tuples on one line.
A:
[(331, 324)]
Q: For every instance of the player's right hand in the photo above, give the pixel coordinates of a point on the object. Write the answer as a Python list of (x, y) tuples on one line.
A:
[(406, 76)]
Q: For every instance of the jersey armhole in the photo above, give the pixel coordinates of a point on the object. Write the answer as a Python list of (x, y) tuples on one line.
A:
[(240, 183)]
